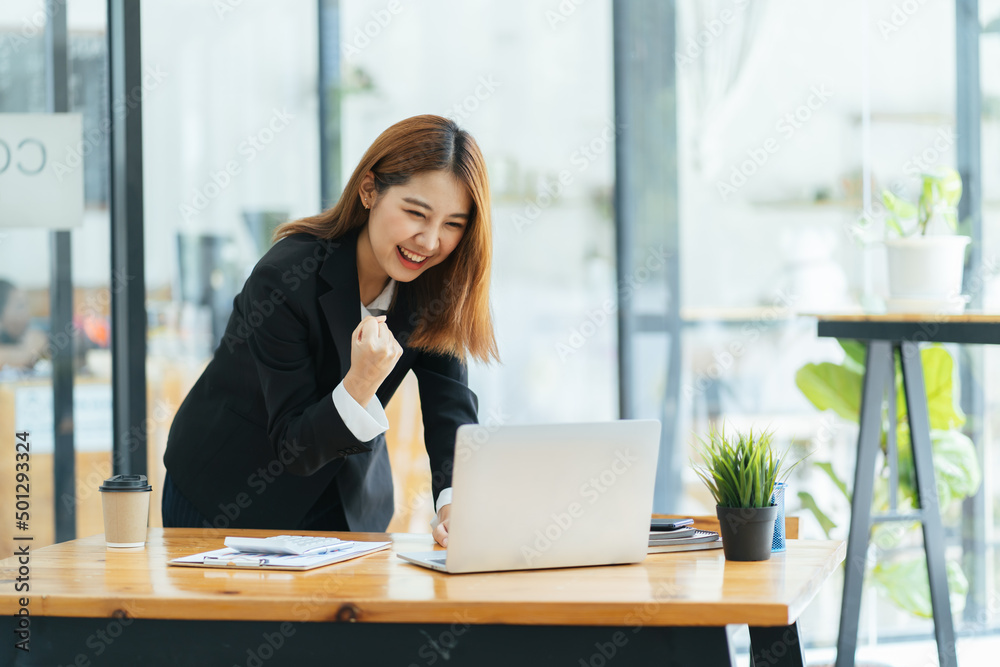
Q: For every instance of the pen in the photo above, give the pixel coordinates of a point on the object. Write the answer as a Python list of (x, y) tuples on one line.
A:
[(340, 546), (248, 562)]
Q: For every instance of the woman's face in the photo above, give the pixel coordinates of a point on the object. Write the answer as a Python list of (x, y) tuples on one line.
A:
[(15, 316), (415, 226)]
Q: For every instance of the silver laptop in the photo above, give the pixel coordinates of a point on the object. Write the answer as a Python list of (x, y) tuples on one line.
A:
[(549, 495)]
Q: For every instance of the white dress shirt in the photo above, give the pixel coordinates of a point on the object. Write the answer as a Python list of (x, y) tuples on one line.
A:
[(368, 421)]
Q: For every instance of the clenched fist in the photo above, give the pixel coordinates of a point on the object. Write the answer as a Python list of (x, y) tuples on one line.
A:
[(374, 353)]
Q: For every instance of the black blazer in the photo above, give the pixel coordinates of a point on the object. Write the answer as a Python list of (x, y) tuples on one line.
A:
[(259, 437)]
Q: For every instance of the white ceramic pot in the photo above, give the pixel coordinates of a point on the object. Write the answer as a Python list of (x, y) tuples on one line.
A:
[(926, 267)]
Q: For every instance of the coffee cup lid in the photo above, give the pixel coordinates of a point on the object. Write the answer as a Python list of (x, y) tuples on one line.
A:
[(126, 483)]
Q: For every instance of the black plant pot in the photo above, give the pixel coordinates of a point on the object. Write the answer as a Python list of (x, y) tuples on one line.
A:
[(747, 531)]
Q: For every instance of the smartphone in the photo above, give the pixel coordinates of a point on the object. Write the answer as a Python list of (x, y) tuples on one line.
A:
[(669, 524)]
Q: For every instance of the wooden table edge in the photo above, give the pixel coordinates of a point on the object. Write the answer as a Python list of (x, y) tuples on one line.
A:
[(817, 582), (372, 610)]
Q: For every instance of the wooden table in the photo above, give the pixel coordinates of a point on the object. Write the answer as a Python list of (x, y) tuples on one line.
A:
[(887, 336), (91, 605)]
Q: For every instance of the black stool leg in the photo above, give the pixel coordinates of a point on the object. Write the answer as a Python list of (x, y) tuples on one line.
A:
[(923, 464), (878, 365)]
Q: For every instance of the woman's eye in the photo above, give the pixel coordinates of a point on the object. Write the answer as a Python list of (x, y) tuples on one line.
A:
[(457, 225), (416, 213)]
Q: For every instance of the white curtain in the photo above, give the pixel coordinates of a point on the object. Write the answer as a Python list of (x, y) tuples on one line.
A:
[(715, 40)]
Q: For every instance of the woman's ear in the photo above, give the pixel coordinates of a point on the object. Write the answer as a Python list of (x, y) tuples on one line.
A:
[(367, 190)]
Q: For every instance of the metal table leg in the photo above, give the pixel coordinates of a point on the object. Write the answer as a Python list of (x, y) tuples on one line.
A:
[(779, 646), (878, 366), (923, 464)]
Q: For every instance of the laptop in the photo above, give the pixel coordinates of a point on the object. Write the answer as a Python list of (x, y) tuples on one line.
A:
[(529, 497)]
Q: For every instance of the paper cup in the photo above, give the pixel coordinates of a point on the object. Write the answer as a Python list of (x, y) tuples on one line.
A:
[(126, 510)]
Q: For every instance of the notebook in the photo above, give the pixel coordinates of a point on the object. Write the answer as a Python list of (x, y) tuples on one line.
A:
[(680, 533), (230, 558), (702, 539)]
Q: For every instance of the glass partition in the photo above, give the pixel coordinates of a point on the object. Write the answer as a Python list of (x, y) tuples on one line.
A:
[(35, 144), (230, 150)]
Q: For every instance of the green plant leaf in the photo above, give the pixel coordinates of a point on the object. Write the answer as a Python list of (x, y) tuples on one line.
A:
[(855, 354), (827, 467), (900, 208), (942, 409), (940, 190), (809, 503), (905, 583), (956, 467), (740, 471), (925, 204), (897, 211), (708, 483), (831, 387), (949, 186)]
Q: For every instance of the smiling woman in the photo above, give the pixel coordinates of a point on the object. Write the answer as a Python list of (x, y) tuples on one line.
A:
[(405, 229), (422, 170), (285, 427)]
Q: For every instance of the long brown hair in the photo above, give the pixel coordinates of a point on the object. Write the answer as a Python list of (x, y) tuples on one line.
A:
[(451, 307)]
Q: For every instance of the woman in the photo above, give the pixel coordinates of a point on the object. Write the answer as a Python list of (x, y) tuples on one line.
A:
[(284, 428)]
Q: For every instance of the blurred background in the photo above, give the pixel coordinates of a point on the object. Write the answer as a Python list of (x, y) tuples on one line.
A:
[(744, 141)]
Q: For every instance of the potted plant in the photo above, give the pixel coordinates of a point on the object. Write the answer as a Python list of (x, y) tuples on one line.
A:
[(926, 262), (741, 472)]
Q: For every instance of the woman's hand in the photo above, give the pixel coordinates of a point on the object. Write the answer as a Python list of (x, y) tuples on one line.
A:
[(441, 530), (374, 353)]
